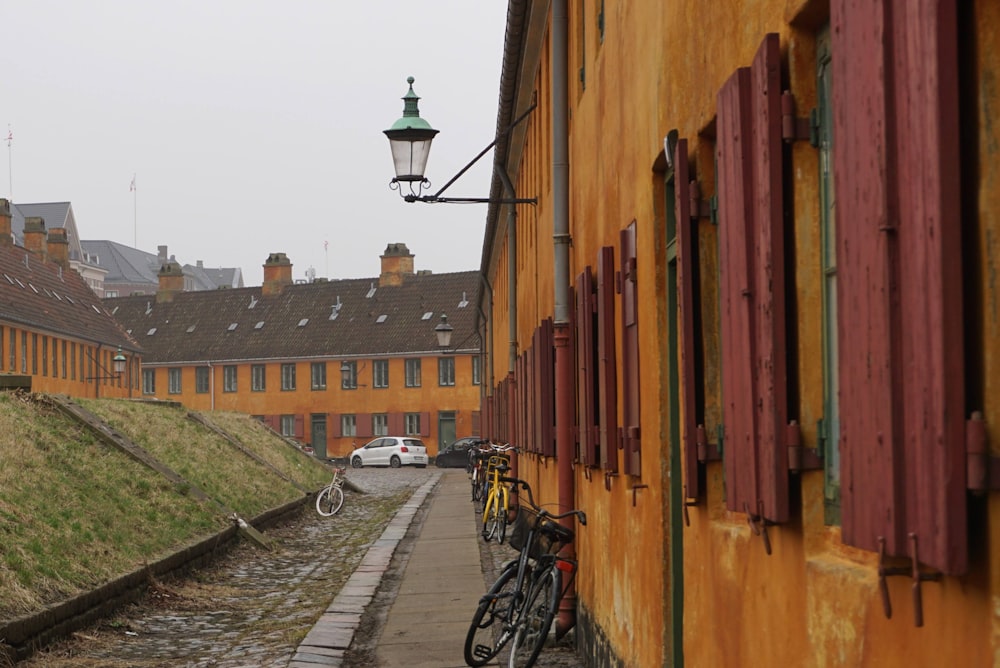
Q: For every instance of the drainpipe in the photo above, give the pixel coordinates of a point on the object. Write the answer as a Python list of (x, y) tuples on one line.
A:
[(486, 346), (565, 386), (512, 301)]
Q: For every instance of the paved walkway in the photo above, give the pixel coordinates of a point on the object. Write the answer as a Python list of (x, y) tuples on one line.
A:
[(443, 581)]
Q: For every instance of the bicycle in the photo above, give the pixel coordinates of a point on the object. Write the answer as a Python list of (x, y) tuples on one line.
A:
[(477, 470), (331, 498), (497, 504), (521, 604)]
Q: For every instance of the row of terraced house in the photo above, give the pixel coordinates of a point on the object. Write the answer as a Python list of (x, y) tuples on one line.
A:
[(330, 364), (754, 313)]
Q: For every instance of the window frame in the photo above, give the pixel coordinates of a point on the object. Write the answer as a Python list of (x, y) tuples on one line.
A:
[(230, 378), (412, 366), (175, 383), (149, 381), (288, 376), (317, 375), (258, 378), (446, 371), (380, 374)]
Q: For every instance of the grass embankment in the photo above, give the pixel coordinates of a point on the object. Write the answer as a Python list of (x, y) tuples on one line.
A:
[(76, 513)]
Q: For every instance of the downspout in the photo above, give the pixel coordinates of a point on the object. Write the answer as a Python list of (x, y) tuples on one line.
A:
[(565, 398), (485, 346), (512, 305)]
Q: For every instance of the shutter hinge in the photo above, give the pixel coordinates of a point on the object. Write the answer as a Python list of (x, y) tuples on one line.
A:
[(982, 468), (800, 458), (707, 452), (796, 128), (702, 208), (758, 523), (913, 570)]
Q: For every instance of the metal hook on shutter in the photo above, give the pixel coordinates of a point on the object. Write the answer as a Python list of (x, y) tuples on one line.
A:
[(913, 570), (758, 523)]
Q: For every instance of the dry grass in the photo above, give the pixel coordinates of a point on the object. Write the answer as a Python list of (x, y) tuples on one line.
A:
[(76, 513)]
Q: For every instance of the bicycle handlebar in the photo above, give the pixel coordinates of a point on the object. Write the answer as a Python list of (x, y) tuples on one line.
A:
[(542, 512)]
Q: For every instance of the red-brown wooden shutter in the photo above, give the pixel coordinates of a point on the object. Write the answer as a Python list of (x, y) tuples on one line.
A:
[(363, 425), (545, 394), (336, 427), (752, 261), (769, 281), (477, 424), (735, 281), (586, 367), (899, 279), (425, 423), (687, 230), (300, 426), (396, 424), (631, 431), (608, 364)]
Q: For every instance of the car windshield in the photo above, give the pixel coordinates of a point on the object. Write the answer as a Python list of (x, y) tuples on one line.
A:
[(413, 443)]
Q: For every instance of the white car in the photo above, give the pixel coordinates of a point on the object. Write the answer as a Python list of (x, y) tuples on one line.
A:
[(394, 451)]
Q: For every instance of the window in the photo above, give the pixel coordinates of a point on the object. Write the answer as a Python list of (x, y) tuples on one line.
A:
[(149, 381), (13, 349), (201, 379), (380, 373), (229, 378), (174, 381), (413, 373), (446, 371), (318, 375), (45, 355), (287, 377), (34, 354), (349, 376), (411, 424), (258, 378), (477, 370), (380, 424), (830, 425), (288, 425), (348, 425), (64, 348)]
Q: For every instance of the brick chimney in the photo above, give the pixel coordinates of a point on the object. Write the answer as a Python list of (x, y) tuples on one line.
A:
[(58, 246), (397, 263), (5, 236), (34, 236), (277, 274), (171, 281)]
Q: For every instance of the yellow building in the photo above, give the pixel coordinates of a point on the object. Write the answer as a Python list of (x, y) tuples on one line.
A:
[(55, 334), (749, 326), (329, 363)]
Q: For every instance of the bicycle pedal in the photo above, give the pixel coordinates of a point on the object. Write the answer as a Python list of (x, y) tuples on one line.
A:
[(482, 652)]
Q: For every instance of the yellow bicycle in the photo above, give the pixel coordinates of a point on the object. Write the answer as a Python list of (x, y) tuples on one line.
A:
[(497, 504)]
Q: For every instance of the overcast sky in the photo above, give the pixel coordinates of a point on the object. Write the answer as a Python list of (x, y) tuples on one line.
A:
[(251, 126)]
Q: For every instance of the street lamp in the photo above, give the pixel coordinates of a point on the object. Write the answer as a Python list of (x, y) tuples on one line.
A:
[(410, 141), (443, 331), (118, 363)]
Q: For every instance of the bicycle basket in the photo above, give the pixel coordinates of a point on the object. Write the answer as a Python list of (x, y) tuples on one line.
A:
[(520, 531)]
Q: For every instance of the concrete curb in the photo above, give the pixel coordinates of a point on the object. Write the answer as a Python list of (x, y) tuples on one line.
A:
[(331, 636)]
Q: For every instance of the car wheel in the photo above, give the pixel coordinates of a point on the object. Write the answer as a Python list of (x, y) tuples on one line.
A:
[(357, 463), (394, 462)]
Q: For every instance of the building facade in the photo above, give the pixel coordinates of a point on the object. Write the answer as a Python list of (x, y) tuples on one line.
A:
[(765, 358), (55, 334), (329, 363)]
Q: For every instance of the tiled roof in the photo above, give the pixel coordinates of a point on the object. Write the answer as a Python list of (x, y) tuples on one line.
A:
[(304, 320), (55, 214), (124, 264), (42, 296)]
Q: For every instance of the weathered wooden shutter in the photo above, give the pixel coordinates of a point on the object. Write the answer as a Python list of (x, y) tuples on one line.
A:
[(396, 423), (336, 425), (363, 425), (631, 432), (687, 231), (300, 426), (586, 367), (608, 363), (900, 335), (544, 397), (477, 424), (425, 423), (735, 280)]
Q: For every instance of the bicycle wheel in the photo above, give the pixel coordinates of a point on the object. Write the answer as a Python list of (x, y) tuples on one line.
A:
[(502, 517), (486, 634), (491, 515), (476, 488), (329, 501), (533, 629)]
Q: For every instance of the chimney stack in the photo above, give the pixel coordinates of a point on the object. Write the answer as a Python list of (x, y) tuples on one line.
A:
[(171, 282), (34, 236), (58, 247), (277, 274), (6, 239), (397, 263)]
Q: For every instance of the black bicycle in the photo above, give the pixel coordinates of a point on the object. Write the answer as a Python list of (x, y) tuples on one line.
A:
[(520, 606)]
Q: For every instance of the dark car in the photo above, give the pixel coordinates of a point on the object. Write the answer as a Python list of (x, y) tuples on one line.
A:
[(456, 455)]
